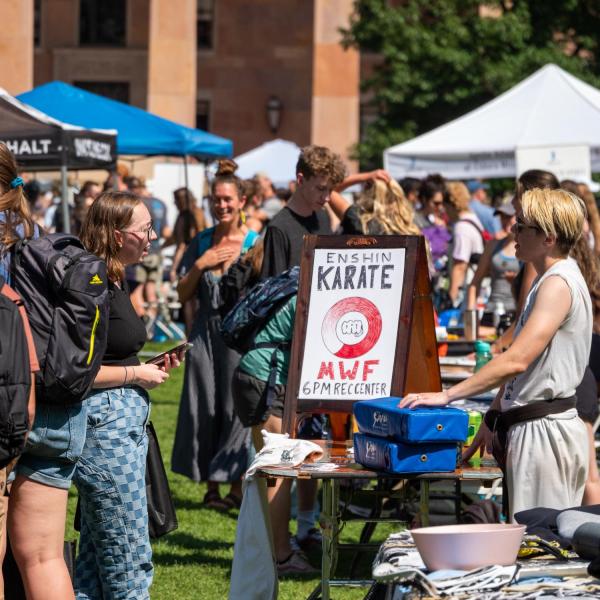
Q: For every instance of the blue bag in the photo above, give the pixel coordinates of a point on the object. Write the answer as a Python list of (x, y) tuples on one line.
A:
[(383, 418), (393, 457)]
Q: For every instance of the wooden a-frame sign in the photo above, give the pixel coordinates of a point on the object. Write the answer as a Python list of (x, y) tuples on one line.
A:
[(364, 324)]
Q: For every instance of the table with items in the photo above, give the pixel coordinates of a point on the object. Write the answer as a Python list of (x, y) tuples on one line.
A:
[(541, 570), (337, 465)]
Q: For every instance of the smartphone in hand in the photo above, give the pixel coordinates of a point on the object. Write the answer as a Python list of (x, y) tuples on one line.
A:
[(159, 359)]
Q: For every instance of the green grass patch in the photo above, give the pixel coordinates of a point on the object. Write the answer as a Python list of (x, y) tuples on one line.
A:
[(194, 562)]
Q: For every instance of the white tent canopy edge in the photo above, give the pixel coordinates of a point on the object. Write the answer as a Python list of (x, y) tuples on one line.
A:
[(550, 108)]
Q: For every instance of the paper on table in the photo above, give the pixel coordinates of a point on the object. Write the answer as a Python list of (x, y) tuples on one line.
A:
[(457, 361), (319, 466)]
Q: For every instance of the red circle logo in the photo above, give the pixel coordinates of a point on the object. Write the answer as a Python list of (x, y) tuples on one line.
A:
[(351, 327)]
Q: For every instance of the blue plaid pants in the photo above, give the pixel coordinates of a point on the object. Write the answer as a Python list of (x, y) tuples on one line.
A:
[(115, 556)]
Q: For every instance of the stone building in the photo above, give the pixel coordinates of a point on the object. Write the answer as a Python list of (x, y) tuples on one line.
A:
[(248, 70)]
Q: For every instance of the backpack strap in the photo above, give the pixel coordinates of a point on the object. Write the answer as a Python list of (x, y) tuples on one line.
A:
[(283, 346), (473, 225), (476, 256)]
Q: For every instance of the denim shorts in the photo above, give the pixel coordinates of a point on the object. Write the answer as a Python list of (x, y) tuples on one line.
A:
[(54, 445)]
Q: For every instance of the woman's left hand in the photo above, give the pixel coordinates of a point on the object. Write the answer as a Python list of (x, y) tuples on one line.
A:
[(172, 361), (380, 174), (424, 399)]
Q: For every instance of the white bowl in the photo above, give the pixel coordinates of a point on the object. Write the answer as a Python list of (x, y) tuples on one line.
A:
[(466, 547)]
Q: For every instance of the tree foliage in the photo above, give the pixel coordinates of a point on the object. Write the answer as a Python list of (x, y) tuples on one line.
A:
[(438, 59)]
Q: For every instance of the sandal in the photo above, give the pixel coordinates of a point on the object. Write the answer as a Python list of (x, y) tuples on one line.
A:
[(233, 501), (212, 499)]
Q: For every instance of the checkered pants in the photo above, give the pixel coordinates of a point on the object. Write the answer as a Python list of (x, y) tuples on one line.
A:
[(115, 557)]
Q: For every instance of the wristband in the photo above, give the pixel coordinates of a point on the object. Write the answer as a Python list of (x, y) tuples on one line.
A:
[(133, 377), (125, 378)]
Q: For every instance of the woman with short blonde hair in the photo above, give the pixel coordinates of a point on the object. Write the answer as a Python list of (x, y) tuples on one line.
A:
[(557, 213), (539, 438)]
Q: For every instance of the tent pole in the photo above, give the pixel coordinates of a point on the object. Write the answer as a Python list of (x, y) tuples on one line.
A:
[(185, 172), (65, 199)]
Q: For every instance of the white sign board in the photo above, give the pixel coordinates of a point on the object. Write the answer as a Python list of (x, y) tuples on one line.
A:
[(566, 162), (352, 323)]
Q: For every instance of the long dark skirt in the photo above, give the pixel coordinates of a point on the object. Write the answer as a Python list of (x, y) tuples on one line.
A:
[(210, 442)]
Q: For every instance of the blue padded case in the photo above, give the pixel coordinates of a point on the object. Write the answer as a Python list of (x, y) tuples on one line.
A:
[(393, 457), (383, 418)]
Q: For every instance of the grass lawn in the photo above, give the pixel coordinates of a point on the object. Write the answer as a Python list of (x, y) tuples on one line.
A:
[(194, 562)]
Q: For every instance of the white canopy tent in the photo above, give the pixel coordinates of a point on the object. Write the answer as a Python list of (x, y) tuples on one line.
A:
[(548, 109), (277, 159)]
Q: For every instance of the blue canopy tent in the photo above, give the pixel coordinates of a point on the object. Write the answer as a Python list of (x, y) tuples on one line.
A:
[(139, 132)]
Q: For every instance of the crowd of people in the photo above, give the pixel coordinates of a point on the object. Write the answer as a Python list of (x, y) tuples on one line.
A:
[(530, 253)]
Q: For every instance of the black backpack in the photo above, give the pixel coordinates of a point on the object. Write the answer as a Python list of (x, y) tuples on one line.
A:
[(64, 289), (250, 314), (15, 380)]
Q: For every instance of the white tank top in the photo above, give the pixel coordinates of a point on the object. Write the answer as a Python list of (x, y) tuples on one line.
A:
[(559, 369)]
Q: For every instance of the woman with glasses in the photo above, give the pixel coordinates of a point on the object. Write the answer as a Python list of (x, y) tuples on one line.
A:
[(115, 557), (432, 221), (211, 443), (538, 438)]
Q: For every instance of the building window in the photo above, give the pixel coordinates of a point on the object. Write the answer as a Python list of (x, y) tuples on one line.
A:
[(115, 90), (203, 115), (37, 23), (102, 23), (204, 24)]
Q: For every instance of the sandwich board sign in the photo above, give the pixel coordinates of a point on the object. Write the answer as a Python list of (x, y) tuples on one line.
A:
[(364, 324)]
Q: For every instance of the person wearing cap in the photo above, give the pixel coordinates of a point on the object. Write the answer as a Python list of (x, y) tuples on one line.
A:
[(479, 205), (499, 262)]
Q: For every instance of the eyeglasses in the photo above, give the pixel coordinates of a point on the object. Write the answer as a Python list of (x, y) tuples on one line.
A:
[(147, 232), (521, 225)]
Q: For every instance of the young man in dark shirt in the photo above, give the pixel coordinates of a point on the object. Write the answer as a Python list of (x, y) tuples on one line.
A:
[(318, 172)]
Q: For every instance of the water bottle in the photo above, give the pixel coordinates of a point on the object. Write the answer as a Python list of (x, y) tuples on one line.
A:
[(483, 354), (498, 312)]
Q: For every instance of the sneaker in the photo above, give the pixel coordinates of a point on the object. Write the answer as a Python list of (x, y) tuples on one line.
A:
[(312, 541), (294, 545), (296, 564)]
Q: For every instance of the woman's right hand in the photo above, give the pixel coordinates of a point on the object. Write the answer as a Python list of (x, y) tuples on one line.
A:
[(213, 257), (149, 376)]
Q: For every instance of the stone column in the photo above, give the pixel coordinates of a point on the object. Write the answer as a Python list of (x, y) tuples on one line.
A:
[(336, 75), (16, 46), (172, 60)]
